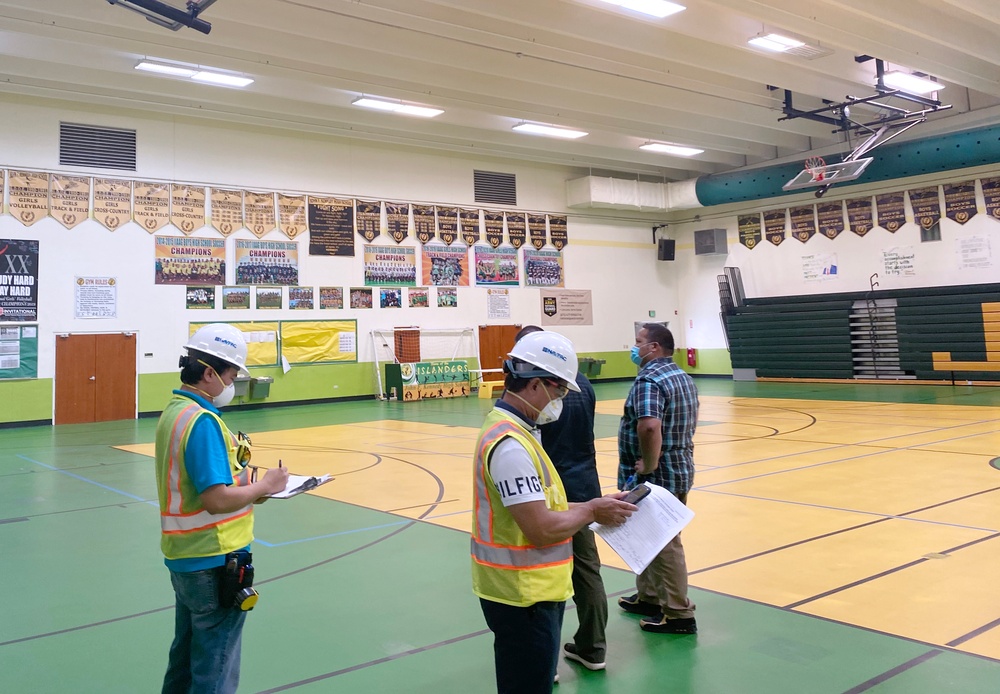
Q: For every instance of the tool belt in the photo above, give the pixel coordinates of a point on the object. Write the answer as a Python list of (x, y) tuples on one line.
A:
[(236, 586)]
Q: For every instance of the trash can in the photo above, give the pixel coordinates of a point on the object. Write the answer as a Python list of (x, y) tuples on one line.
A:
[(242, 386), (260, 387)]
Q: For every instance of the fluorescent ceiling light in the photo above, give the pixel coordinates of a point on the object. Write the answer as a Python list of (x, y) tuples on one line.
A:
[(910, 83), (397, 107), (548, 130), (666, 148), (654, 8), (221, 78), (775, 42), (166, 69)]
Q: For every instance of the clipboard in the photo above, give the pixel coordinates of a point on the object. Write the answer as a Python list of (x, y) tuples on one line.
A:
[(298, 484)]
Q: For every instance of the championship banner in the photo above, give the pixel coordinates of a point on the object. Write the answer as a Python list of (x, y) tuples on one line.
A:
[(859, 215), (267, 262), (331, 226), (28, 196), (536, 230), (151, 205), (423, 223), (469, 220), (18, 279), (516, 233), (557, 232), (112, 202), (891, 212), (803, 222), (493, 221), (187, 207), (69, 199), (193, 261), (991, 196), (926, 204), (960, 201), (543, 269), (749, 229), (331, 297), (292, 215), (831, 218), (447, 224), (397, 220), (496, 266), (368, 216), (774, 226), (390, 266), (227, 210), (445, 267), (258, 211)]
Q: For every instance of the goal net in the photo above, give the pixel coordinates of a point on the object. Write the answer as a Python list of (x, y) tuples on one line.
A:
[(414, 344)]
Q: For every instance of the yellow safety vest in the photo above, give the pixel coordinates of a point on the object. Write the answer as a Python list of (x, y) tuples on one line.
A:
[(187, 529), (506, 567)]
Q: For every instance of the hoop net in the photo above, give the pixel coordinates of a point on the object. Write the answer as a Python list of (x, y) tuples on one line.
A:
[(816, 166)]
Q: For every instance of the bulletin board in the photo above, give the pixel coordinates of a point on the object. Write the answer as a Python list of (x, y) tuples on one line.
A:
[(319, 341), (18, 351), (262, 340)]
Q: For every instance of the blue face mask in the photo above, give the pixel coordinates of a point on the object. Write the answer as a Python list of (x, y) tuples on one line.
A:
[(636, 359)]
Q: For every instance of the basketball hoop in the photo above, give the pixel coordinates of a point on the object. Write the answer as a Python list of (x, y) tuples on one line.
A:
[(816, 166)]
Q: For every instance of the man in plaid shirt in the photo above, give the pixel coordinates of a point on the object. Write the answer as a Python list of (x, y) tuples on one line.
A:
[(656, 445)]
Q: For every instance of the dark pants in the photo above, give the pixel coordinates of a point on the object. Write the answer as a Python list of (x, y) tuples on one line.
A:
[(590, 598), (525, 645), (205, 654)]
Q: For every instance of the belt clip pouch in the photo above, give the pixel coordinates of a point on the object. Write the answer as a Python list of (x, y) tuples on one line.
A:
[(232, 577)]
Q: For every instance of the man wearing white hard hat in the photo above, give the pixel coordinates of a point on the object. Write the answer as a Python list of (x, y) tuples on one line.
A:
[(522, 556), (206, 514)]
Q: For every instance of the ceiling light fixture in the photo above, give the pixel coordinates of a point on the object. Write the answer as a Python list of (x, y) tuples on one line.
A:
[(194, 72), (397, 107), (548, 130), (653, 8), (668, 148), (774, 42), (914, 84)]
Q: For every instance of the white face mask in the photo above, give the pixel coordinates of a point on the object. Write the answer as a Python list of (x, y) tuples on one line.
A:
[(550, 412), (226, 396)]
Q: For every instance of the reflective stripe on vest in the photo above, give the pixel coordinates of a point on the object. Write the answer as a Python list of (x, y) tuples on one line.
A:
[(173, 520), (484, 549)]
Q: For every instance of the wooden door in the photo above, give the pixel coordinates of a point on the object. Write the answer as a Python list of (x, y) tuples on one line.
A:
[(495, 341), (115, 370), (95, 378), (76, 378)]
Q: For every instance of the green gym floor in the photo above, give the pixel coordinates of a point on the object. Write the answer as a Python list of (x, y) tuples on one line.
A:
[(846, 539)]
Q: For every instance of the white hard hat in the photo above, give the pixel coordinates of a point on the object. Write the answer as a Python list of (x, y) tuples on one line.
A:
[(222, 341), (552, 355)]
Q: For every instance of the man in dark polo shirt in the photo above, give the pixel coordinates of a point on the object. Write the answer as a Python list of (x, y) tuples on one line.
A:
[(569, 442)]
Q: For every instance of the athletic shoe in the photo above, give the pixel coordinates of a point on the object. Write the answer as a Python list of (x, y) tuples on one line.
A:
[(571, 653), (556, 680), (659, 624), (636, 606)]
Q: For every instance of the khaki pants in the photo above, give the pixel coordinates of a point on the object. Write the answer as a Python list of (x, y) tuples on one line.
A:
[(665, 580)]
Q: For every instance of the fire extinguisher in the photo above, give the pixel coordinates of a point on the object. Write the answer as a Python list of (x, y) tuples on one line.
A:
[(692, 357)]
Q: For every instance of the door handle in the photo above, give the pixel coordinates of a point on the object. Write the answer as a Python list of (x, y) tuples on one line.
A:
[(93, 378)]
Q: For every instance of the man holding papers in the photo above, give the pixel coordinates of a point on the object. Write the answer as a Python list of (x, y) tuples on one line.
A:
[(656, 446), (522, 557)]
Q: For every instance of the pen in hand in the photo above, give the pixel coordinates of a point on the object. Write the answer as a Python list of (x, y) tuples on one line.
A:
[(279, 463)]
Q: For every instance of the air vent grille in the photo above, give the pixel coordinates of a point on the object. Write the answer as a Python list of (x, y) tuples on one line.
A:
[(495, 188), (809, 52), (96, 146)]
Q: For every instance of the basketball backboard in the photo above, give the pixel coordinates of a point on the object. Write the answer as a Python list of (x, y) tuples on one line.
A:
[(829, 174)]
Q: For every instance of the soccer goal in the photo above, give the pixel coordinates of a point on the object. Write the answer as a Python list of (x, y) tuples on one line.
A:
[(407, 345)]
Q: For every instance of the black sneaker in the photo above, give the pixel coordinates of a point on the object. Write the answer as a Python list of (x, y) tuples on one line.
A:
[(571, 653), (636, 606), (658, 624)]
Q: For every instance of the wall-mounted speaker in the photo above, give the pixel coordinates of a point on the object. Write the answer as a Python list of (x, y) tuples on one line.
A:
[(665, 249), (710, 242)]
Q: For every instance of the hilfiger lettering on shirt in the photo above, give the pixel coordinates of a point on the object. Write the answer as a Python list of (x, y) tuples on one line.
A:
[(521, 485)]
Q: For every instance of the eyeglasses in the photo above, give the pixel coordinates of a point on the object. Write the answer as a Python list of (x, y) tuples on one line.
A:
[(561, 389)]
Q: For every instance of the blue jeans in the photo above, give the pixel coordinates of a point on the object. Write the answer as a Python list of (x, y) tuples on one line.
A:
[(205, 654), (525, 645)]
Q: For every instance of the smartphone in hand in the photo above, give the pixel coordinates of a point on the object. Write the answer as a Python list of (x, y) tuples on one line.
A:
[(637, 494)]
